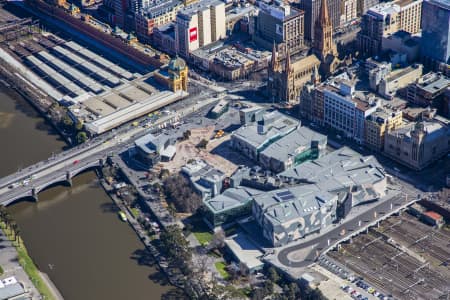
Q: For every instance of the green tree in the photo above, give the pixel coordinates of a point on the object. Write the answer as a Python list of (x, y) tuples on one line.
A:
[(172, 210), (218, 240), (81, 137), (291, 291), (164, 174), (157, 186), (179, 192), (186, 134), (219, 292), (15, 229), (177, 248), (273, 275), (79, 126), (67, 121), (3, 212), (17, 233), (268, 287), (258, 294), (7, 219)]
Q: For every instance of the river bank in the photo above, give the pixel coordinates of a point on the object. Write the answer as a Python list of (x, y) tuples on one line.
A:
[(141, 233), (20, 86), (73, 254), (37, 279)]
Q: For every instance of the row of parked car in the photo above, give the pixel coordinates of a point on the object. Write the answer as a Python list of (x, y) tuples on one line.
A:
[(353, 293), (341, 271), (333, 267), (359, 282)]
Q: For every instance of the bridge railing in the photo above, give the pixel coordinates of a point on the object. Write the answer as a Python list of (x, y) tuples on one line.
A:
[(41, 183), (54, 159)]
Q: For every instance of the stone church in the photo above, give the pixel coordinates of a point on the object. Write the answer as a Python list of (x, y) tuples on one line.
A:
[(286, 78)]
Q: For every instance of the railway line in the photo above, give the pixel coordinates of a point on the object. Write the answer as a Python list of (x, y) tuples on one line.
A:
[(390, 269)]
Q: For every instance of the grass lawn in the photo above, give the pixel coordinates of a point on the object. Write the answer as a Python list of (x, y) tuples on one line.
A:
[(1, 270), (220, 266), (201, 232), (27, 264), (203, 237)]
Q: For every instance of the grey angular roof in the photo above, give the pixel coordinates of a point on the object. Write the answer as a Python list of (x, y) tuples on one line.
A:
[(301, 137), (273, 125), (339, 169), (151, 143), (231, 198), (283, 205)]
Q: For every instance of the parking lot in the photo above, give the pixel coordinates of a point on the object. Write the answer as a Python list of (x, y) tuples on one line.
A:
[(403, 258)]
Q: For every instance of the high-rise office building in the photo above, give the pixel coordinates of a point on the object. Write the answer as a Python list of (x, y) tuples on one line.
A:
[(280, 24), (410, 15), (436, 30), (120, 7), (154, 16), (364, 5), (312, 10), (385, 19), (348, 11), (198, 25)]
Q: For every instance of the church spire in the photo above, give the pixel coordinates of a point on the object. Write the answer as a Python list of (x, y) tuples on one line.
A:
[(323, 34), (315, 77), (274, 60), (288, 61), (324, 17)]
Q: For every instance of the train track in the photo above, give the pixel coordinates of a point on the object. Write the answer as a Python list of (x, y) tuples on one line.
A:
[(406, 277)]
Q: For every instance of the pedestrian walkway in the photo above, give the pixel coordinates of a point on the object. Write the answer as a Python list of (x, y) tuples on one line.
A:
[(9, 262)]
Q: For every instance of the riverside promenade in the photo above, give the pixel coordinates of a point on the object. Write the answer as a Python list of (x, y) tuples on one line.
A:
[(9, 261)]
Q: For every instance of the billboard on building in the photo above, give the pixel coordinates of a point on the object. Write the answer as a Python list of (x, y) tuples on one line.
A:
[(193, 34)]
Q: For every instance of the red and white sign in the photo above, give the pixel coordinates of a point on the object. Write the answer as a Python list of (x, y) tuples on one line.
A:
[(192, 34)]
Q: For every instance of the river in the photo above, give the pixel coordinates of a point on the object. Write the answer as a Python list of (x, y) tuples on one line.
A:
[(72, 233)]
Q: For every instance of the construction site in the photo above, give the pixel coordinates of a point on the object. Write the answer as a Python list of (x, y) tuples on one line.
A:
[(188, 149), (97, 92), (403, 258)]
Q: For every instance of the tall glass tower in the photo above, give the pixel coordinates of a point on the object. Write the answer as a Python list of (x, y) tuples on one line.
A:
[(435, 44)]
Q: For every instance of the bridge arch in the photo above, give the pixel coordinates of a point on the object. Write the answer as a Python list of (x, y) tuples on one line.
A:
[(32, 193), (85, 169), (24, 198)]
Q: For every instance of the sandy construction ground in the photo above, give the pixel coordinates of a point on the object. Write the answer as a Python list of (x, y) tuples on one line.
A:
[(186, 150)]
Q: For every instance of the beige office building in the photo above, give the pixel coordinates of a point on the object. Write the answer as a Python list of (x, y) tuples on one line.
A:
[(410, 15), (419, 144), (198, 25), (378, 123), (348, 11)]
